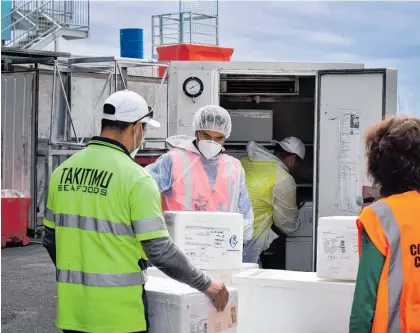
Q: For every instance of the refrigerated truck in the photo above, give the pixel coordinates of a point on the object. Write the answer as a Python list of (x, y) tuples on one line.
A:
[(329, 106)]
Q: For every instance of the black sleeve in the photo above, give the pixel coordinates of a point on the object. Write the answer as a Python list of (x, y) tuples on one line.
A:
[(48, 241)]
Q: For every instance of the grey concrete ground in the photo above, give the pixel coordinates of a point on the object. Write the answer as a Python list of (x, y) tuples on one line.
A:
[(27, 290)]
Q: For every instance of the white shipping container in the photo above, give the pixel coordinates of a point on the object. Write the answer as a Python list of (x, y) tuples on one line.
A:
[(224, 276), (337, 251), (327, 105), (292, 302), (176, 308), (210, 240)]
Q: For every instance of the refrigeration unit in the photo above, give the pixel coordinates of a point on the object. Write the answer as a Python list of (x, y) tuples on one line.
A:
[(328, 106)]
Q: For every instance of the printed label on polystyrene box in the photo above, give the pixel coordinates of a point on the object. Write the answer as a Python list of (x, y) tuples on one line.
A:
[(206, 245), (198, 323), (337, 253), (222, 321), (201, 320)]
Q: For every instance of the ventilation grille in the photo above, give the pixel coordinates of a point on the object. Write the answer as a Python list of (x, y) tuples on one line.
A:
[(258, 85)]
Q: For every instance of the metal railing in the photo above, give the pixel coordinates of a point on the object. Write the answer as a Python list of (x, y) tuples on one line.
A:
[(184, 27), (32, 20)]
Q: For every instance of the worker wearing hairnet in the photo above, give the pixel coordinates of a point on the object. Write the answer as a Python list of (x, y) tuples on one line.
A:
[(273, 192), (196, 174)]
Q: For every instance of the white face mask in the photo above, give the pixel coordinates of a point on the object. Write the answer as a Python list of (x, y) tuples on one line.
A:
[(134, 152), (209, 149)]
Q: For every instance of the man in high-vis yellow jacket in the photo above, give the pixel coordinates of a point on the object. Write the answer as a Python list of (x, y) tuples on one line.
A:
[(103, 221), (273, 192)]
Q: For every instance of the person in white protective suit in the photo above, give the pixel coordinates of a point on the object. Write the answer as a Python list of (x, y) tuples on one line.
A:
[(196, 174), (273, 192)]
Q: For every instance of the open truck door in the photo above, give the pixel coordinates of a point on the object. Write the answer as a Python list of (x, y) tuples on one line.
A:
[(349, 102)]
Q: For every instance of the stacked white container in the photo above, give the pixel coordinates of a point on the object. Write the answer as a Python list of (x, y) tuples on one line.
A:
[(224, 276), (293, 302), (323, 299), (174, 307), (337, 251), (212, 241)]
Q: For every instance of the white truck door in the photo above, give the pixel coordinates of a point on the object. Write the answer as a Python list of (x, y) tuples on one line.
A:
[(348, 102)]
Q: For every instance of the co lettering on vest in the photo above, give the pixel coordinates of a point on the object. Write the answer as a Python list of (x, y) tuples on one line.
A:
[(415, 252), (86, 180)]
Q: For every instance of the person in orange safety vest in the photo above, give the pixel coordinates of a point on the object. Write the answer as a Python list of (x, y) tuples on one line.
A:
[(196, 174), (387, 292)]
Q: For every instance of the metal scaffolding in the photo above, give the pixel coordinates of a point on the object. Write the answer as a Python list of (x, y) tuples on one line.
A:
[(113, 69), (64, 137), (197, 22), (62, 113)]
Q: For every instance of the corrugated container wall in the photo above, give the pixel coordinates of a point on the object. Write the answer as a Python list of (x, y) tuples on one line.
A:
[(17, 103), (131, 43)]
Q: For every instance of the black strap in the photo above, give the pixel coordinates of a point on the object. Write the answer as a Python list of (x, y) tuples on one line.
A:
[(143, 264)]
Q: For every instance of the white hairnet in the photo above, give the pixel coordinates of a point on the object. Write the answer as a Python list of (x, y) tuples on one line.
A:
[(213, 118)]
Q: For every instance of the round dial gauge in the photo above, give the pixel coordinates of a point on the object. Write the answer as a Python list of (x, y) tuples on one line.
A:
[(193, 87)]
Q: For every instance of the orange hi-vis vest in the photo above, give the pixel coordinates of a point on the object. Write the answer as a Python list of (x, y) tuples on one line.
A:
[(393, 225), (191, 189)]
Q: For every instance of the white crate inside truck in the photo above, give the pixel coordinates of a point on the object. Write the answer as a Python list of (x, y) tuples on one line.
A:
[(174, 307), (224, 276), (337, 249), (210, 240), (292, 302)]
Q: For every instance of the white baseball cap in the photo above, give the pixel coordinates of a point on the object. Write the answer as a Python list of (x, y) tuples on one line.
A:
[(292, 145), (128, 107)]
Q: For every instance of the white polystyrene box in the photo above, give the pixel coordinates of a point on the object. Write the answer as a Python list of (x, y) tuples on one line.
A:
[(174, 307), (227, 275), (155, 272), (337, 252), (210, 240), (224, 276), (293, 302)]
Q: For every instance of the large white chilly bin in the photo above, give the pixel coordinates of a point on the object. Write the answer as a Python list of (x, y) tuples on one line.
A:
[(224, 276), (337, 248), (174, 307), (210, 240), (292, 302)]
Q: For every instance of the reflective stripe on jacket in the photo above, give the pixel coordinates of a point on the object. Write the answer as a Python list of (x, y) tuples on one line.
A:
[(191, 189), (101, 205), (393, 225)]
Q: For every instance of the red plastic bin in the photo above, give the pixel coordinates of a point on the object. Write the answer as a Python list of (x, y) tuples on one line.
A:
[(192, 52), (14, 220)]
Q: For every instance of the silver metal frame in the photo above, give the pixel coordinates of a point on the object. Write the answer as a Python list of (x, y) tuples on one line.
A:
[(188, 27), (113, 66), (61, 145)]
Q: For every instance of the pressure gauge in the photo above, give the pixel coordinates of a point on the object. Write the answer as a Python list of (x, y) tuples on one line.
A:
[(193, 87)]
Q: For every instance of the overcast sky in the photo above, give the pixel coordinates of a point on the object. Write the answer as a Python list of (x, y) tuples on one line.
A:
[(378, 34)]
